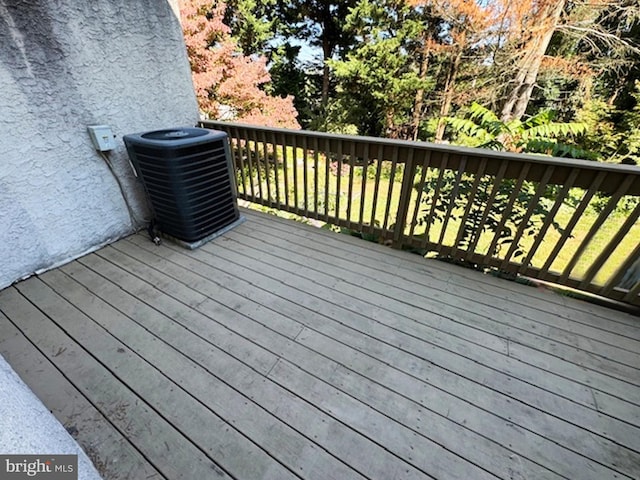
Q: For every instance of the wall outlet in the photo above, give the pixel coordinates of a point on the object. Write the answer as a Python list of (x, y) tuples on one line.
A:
[(102, 137)]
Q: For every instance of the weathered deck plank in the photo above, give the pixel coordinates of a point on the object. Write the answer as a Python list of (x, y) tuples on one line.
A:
[(196, 372), (491, 328), (444, 432), (433, 453), (512, 296), (224, 377), (112, 453), (596, 444), (394, 357), (171, 455), (449, 298), (283, 351)]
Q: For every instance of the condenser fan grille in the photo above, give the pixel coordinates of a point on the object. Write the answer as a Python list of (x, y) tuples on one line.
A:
[(187, 174)]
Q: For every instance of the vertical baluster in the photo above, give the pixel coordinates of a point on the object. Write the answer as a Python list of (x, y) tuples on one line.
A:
[(434, 200), (408, 174), (611, 204), (506, 213), (470, 201), (365, 178), (285, 171), (316, 153), (338, 177), (276, 168), (233, 149), (352, 164), (240, 163), (495, 187), (611, 246), (577, 214), (452, 200), (392, 177), (420, 190), (374, 207), (533, 203), (327, 171), (568, 185), (267, 168), (305, 173), (255, 156), (249, 164), (294, 155)]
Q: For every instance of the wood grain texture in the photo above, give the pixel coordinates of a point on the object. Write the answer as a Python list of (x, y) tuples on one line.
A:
[(108, 448), (283, 351)]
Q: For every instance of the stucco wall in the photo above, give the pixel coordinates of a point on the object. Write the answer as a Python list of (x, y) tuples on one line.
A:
[(64, 65), (28, 428)]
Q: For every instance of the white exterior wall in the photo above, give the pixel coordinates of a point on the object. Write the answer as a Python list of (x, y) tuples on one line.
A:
[(28, 428), (64, 65)]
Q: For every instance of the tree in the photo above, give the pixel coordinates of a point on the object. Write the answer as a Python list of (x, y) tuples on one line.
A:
[(613, 134), (503, 217), (289, 78), (588, 38), (408, 58), (423, 57), (251, 24), (545, 18), (379, 72), (228, 83), (401, 68), (465, 26), (320, 23), (490, 208)]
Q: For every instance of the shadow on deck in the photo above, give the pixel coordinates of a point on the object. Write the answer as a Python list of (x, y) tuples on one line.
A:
[(282, 351)]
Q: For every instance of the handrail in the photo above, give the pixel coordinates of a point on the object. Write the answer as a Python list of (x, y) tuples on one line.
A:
[(567, 221)]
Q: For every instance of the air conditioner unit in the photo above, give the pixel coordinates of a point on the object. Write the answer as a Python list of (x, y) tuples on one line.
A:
[(188, 176)]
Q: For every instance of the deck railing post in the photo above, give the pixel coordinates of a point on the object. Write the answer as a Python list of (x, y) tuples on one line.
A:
[(405, 198)]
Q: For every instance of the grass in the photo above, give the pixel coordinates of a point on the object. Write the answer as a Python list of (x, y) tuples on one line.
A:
[(334, 201)]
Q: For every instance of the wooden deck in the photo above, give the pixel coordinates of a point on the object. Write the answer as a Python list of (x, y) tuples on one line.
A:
[(282, 351)]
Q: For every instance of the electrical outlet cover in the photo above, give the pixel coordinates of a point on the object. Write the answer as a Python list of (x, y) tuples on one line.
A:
[(102, 137)]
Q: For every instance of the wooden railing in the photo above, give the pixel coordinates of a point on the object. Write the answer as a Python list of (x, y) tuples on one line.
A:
[(570, 222)]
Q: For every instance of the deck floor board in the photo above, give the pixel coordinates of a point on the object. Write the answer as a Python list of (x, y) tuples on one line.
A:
[(434, 274), (511, 296), (283, 351), (491, 328)]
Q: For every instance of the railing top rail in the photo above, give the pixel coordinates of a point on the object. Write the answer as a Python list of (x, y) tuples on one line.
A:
[(437, 147)]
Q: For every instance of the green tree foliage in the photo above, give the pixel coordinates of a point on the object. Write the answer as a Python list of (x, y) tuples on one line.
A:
[(289, 77), (482, 128), (319, 23), (251, 24), (510, 210), (558, 53), (618, 83), (401, 68), (378, 79), (613, 134)]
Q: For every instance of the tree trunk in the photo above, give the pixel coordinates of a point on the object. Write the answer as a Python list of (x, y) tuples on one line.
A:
[(529, 65), (328, 46), (327, 50), (389, 125), (447, 96), (418, 103)]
